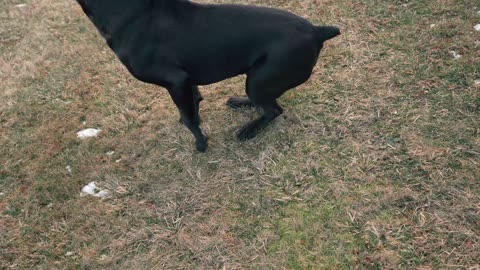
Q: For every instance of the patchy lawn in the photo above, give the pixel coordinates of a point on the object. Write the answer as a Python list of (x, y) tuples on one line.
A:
[(374, 165)]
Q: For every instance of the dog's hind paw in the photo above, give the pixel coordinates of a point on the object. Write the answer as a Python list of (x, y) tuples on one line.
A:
[(249, 131), (239, 102)]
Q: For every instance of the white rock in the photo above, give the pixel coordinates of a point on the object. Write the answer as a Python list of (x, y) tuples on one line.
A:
[(432, 25), (69, 169), (68, 254), (88, 133), (92, 190), (21, 5), (455, 55), (110, 153), (2, 194), (477, 27), (477, 82)]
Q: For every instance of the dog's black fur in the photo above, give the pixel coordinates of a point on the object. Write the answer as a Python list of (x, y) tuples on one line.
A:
[(178, 44)]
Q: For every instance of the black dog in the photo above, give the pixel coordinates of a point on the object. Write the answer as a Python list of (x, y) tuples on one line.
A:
[(178, 44)]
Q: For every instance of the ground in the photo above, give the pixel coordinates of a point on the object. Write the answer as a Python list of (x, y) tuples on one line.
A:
[(374, 165)]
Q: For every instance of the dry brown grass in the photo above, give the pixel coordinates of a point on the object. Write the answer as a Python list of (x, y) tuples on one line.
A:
[(375, 164)]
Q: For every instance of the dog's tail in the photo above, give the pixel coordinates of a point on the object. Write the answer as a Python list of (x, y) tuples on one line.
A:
[(324, 33)]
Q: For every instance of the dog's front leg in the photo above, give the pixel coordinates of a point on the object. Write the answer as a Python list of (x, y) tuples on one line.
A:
[(187, 98), (197, 98)]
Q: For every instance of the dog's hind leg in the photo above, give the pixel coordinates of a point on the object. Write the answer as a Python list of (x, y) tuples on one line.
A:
[(263, 96), (286, 68), (187, 98)]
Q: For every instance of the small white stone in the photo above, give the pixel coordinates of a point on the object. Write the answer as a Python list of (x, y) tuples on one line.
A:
[(110, 153), (477, 27), (477, 82), (21, 5), (88, 133), (432, 25), (68, 254), (92, 190), (101, 194), (2, 194), (69, 169), (455, 55)]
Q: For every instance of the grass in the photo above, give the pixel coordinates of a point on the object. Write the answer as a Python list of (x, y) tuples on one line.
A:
[(374, 165)]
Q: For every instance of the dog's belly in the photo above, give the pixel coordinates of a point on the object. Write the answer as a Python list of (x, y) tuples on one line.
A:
[(211, 61), (202, 78), (210, 65), (215, 70)]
